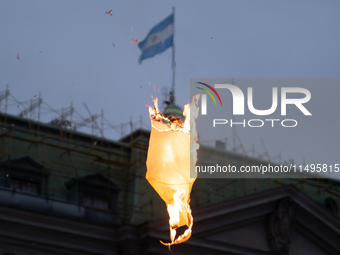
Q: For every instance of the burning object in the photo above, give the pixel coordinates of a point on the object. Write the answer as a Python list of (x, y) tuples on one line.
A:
[(109, 12), (172, 150)]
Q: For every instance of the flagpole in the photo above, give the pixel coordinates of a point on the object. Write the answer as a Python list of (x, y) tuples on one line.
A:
[(173, 63)]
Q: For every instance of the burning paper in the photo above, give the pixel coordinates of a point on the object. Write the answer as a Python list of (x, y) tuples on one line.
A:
[(170, 156), (109, 12)]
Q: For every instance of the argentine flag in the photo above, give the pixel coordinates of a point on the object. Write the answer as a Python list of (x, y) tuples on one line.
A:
[(158, 39)]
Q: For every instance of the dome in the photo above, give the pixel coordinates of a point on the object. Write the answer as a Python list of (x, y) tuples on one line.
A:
[(174, 111)]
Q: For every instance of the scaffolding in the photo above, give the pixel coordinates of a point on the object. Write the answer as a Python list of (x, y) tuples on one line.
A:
[(64, 147)]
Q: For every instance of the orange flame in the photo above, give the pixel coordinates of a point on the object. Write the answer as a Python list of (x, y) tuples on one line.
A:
[(109, 12), (178, 205), (174, 213)]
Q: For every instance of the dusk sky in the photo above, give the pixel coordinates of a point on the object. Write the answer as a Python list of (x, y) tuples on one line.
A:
[(66, 53)]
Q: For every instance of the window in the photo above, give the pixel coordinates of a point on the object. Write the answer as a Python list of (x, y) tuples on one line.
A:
[(331, 205), (24, 186), (95, 202), (94, 191), (24, 175)]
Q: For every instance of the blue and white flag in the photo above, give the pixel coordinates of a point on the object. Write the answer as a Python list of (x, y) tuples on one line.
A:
[(158, 39)]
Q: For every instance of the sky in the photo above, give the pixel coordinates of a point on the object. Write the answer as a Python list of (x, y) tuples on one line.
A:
[(66, 52)]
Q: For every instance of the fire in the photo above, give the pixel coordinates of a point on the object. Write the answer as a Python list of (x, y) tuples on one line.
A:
[(175, 211), (109, 12), (172, 156), (173, 123), (133, 41)]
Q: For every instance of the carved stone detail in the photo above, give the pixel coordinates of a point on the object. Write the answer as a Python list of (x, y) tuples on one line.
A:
[(281, 226)]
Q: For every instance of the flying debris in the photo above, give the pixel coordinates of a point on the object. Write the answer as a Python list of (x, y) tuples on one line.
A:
[(109, 12), (140, 86), (113, 45), (18, 56), (133, 40), (40, 51), (35, 95)]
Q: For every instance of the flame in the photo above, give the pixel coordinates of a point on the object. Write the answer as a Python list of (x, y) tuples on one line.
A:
[(173, 123), (178, 207), (133, 41), (174, 214), (109, 12)]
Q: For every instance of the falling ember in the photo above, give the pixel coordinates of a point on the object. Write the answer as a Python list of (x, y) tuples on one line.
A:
[(18, 56), (109, 12), (172, 156)]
